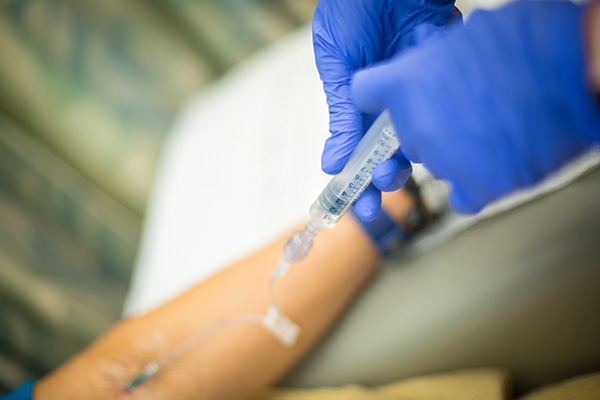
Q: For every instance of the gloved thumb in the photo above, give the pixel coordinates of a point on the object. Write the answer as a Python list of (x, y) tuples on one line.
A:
[(368, 88)]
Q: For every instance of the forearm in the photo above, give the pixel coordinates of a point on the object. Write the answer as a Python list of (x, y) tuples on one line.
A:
[(239, 361), (592, 33)]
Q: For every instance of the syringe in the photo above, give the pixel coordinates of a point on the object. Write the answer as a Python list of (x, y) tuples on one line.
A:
[(379, 144)]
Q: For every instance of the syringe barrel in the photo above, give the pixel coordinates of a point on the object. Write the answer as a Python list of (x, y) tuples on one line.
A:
[(378, 144)]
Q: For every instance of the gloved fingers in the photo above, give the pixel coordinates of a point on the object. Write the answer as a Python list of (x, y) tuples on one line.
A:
[(345, 126), (461, 202), (456, 201), (346, 129), (367, 206), (428, 33), (431, 31), (392, 174), (348, 35), (335, 64), (410, 153), (368, 88)]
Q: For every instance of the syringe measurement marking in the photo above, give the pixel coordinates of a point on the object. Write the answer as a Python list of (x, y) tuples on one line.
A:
[(379, 156)]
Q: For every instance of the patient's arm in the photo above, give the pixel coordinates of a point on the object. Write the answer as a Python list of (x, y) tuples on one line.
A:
[(239, 361), (593, 44)]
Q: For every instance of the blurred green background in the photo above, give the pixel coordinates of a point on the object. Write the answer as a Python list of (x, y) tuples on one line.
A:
[(88, 91)]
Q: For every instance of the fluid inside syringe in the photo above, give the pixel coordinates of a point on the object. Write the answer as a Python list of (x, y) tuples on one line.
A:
[(379, 144)]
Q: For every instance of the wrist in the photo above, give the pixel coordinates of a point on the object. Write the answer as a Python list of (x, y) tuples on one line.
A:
[(398, 206), (393, 225)]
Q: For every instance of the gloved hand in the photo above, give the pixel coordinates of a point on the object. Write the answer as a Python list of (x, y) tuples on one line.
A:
[(349, 35), (496, 105)]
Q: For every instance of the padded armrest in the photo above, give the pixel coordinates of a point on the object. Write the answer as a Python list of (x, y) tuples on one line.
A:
[(520, 290)]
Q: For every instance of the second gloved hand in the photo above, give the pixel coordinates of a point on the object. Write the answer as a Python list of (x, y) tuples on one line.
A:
[(495, 105), (349, 35)]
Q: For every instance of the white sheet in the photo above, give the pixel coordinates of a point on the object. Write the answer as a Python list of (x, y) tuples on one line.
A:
[(241, 166)]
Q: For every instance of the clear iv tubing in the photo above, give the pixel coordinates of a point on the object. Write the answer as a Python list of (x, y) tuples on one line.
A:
[(154, 367), (379, 144)]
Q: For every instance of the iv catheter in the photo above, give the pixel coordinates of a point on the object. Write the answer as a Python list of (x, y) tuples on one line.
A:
[(378, 144)]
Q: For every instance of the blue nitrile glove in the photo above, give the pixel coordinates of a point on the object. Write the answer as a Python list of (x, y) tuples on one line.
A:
[(496, 104), (349, 35)]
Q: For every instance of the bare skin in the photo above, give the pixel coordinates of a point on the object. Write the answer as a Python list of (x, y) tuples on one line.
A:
[(593, 44), (240, 361)]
